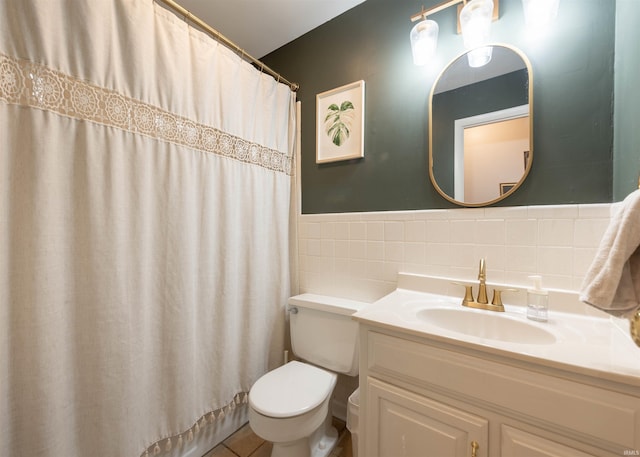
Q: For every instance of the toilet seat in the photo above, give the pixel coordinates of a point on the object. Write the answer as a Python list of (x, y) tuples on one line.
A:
[(291, 390)]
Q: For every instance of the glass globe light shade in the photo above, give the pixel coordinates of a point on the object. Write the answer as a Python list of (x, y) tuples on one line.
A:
[(424, 40), (479, 57), (475, 21)]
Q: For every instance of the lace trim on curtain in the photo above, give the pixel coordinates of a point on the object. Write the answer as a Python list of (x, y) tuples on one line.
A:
[(29, 84), (166, 444)]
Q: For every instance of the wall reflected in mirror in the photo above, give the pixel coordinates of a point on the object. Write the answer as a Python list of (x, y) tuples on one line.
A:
[(480, 128)]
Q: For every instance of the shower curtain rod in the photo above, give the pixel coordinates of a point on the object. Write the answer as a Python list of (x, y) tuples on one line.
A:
[(188, 17)]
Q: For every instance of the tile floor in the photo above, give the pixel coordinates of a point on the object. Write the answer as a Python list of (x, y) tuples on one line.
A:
[(245, 443)]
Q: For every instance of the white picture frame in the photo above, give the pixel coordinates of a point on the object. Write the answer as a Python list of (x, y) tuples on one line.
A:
[(340, 123)]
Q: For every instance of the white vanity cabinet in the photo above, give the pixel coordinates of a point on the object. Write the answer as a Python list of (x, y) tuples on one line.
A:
[(409, 424), (422, 395)]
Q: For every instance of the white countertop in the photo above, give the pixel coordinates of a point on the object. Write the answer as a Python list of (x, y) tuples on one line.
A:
[(592, 345)]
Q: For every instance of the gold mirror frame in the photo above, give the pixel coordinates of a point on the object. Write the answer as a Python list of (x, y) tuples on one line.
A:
[(530, 157)]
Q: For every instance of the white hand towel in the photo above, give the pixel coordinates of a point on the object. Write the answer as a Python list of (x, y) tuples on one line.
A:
[(612, 282)]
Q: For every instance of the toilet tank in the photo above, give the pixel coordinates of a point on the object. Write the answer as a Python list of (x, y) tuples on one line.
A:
[(323, 332)]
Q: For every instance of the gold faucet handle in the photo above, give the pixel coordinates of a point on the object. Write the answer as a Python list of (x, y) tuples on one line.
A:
[(497, 296), (635, 327), (468, 292)]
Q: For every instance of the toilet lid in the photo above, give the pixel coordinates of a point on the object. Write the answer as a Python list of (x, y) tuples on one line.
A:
[(291, 390)]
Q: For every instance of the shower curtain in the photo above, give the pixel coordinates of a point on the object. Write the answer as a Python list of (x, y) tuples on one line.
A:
[(145, 188)]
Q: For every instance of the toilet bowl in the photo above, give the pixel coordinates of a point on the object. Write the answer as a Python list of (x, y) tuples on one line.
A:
[(291, 405)]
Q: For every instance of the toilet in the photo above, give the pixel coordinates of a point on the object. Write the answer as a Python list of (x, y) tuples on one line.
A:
[(291, 405)]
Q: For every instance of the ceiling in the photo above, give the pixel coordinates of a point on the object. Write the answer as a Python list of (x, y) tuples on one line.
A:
[(262, 26)]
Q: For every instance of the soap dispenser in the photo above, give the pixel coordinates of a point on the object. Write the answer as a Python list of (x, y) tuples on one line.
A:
[(537, 301)]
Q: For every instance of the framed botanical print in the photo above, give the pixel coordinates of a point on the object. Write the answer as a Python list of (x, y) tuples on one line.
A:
[(340, 123)]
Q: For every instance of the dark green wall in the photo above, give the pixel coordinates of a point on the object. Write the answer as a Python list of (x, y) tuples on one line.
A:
[(627, 99), (572, 106)]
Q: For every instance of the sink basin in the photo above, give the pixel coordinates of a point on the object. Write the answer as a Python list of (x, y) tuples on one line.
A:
[(486, 324)]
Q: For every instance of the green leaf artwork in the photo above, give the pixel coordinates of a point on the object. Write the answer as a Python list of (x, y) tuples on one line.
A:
[(337, 122)]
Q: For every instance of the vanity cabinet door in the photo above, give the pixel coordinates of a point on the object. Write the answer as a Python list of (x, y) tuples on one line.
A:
[(523, 444), (404, 424)]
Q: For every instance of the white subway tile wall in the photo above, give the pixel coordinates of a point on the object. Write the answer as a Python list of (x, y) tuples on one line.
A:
[(358, 255)]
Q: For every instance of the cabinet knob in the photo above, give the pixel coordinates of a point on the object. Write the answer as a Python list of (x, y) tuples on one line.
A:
[(474, 448)]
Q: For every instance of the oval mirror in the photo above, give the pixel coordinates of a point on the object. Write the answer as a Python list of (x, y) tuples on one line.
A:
[(481, 128)]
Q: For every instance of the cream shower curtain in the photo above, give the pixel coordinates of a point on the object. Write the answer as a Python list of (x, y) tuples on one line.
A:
[(145, 184)]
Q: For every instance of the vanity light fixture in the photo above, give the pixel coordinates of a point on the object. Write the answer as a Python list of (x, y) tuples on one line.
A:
[(475, 23), (475, 17)]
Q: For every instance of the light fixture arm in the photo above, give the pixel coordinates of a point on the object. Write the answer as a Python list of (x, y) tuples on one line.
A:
[(442, 6)]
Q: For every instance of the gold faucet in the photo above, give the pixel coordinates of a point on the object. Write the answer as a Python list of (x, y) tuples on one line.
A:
[(482, 279), (482, 302)]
